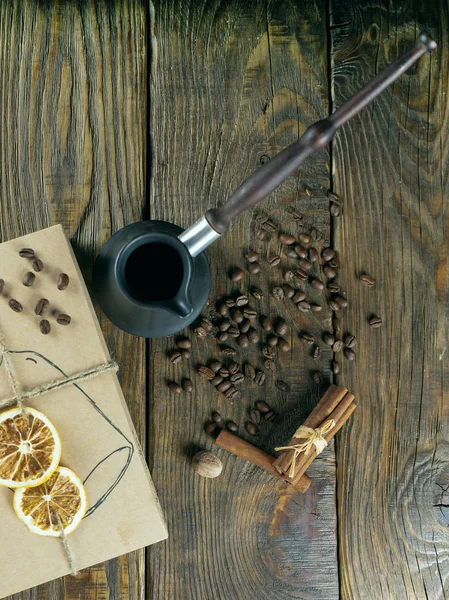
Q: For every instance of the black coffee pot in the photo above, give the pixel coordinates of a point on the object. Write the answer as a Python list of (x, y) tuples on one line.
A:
[(152, 278)]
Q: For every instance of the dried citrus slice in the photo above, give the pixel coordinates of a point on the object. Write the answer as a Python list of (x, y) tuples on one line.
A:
[(63, 495), (30, 448)]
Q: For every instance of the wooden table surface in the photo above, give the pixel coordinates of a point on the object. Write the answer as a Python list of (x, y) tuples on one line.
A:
[(121, 110)]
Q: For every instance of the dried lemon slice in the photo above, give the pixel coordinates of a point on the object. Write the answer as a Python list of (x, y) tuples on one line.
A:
[(30, 448), (63, 495)]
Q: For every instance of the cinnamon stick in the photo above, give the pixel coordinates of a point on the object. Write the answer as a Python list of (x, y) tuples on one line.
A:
[(331, 399), (258, 457)]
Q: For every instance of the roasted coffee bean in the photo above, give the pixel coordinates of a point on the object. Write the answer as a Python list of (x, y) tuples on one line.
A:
[(305, 239), (236, 274), (334, 288), (277, 293), (216, 380), (342, 302), (237, 378), (2, 285), (262, 406), (328, 339), (210, 428), (349, 353), (176, 357), (242, 300), (269, 365), (329, 272), (187, 386), (274, 260), (268, 225), (174, 387), (337, 346), (223, 309), (260, 378), (224, 386), (28, 279), (317, 285), (252, 256), (45, 327), (289, 292), (270, 416), (305, 264), (232, 393), (42, 307), (313, 255), (334, 305), (316, 352), (334, 263), (268, 352), (335, 367), (253, 336), (316, 307), (301, 274), (283, 345), (15, 305), (266, 323), (261, 234), (299, 296), (234, 332), (233, 368), (236, 315), (294, 214), (375, 322), (185, 354), (257, 293), (250, 371), (206, 324), (250, 314), (318, 377), (228, 351), (26, 253), (301, 251), (230, 302), (38, 265), (287, 239), (288, 275), (216, 417), (214, 315), (304, 306), (223, 372), (350, 341), (281, 327), (367, 280), (184, 343), (223, 336), (316, 235), (334, 210), (63, 281), (282, 385), (200, 332), (233, 428), (206, 373), (224, 325), (215, 365), (290, 252), (243, 340), (255, 416), (245, 325), (251, 428), (272, 340), (333, 197), (307, 337), (328, 254)]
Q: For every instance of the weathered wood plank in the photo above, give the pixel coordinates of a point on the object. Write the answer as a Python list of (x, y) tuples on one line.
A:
[(72, 150), (391, 168), (232, 83)]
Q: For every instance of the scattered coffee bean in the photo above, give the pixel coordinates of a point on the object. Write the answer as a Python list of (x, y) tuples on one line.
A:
[(255, 416), (329, 272), (241, 300), (206, 373), (15, 305), (334, 305), (337, 346), (266, 323), (251, 428), (299, 296), (282, 385), (316, 352), (232, 393), (223, 309), (200, 332), (216, 417), (250, 314), (184, 343), (375, 322), (334, 262), (176, 357), (274, 260), (334, 210), (224, 386), (303, 306), (206, 324), (313, 255), (223, 372), (38, 265), (234, 332), (261, 234), (283, 345), (210, 428), (270, 416), (301, 274), (63, 281), (289, 252), (233, 368), (233, 428), (252, 256), (335, 367), (317, 285), (305, 264), (28, 279), (278, 293), (236, 315), (26, 253), (269, 365), (289, 292), (305, 239), (334, 288), (301, 251), (224, 325), (230, 302), (288, 275), (216, 380), (268, 225), (185, 354), (42, 307), (328, 338), (272, 340), (318, 377), (228, 351), (328, 254), (307, 337), (245, 325), (253, 336), (281, 327), (175, 387), (259, 378), (316, 307), (367, 280), (294, 214), (333, 197), (349, 353), (350, 341), (187, 386), (286, 239), (237, 274), (262, 406), (214, 315), (243, 340), (2, 285), (250, 372), (237, 378), (45, 327), (257, 293), (223, 336), (268, 352)]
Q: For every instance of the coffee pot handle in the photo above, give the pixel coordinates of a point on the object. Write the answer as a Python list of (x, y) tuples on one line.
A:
[(275, 171)]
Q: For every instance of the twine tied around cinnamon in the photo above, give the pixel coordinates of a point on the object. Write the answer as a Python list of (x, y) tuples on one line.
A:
[(18, 397), (313, 437)]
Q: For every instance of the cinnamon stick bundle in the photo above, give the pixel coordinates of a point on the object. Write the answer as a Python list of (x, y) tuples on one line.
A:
[(326, 419)]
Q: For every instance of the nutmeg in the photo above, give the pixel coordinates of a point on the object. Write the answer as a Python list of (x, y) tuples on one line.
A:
[(207, 464)]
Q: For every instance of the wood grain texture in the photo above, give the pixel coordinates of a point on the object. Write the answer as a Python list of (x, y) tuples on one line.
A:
[(391, 168), (72, 150), (232, 83)]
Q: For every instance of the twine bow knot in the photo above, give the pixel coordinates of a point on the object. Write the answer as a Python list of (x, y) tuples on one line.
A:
[(313, 437)]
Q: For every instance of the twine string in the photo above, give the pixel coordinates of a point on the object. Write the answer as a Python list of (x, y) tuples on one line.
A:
[(65, 544), (313, 437)]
